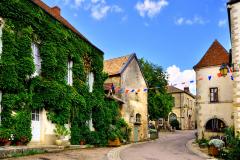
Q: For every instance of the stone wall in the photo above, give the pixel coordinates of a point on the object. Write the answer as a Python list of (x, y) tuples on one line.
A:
[(235, 38)]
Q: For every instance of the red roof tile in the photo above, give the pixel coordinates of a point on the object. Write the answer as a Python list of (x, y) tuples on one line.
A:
[(216, 55), (55, 13)]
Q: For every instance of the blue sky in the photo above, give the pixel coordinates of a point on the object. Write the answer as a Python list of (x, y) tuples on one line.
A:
[(165, 32)]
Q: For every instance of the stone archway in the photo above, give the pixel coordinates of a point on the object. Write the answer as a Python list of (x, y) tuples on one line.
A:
[(215, 125)]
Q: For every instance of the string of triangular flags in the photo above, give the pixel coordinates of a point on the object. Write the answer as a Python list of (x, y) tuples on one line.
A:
[(209, 77), (127, 90)]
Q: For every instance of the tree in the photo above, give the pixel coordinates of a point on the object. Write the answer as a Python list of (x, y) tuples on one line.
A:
[(160, 103)]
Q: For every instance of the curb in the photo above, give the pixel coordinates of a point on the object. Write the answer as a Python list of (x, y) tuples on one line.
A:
[(196, 151)]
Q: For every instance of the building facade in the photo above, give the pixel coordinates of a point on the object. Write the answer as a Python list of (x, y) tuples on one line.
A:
[(128, 81), (45, 63), (214, 92), (184, 108), (234, 24)]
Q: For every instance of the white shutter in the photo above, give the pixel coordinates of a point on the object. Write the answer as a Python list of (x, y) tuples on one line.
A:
[(0, 106), (90, 81), (70, 75), (1, 29), (36, 59)]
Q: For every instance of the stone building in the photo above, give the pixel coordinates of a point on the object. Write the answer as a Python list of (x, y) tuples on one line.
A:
[(234, 24), (214, 92), (184, 108), (127, 85)]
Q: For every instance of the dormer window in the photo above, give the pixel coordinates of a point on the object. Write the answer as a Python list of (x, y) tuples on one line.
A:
[(90, 81), (37, 59), (70, 75)]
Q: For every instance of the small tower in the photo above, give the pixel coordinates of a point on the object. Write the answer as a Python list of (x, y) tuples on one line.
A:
[(234, 24)]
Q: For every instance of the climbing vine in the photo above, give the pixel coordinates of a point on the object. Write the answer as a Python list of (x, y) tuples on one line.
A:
[(26, 23)]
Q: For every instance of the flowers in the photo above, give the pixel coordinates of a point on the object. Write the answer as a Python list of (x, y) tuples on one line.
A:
[(216, 143)]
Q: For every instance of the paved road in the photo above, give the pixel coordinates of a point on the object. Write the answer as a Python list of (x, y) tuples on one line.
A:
[(167, 147)]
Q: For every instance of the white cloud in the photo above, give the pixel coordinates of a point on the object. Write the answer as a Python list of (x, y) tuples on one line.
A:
[(150, 8), (78, 3), (182, 78), (98, 11), (222, 23), (192, 21)]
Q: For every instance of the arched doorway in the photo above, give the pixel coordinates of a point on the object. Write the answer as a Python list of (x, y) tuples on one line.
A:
[(215, 125), (172, 117)]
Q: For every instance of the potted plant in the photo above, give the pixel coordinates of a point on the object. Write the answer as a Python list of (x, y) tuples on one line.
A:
[(113, 139), (5, 136), (214, 147), (60, 132)]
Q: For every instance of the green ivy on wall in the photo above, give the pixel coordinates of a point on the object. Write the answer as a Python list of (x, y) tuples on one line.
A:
[(26, 23)]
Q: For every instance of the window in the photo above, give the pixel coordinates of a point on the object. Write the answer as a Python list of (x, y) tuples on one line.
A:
[(0, 106), (215, 125), (138, 118), (70, 76), (37, 59), (90, 81), (35, 115), (1, 29), (172, 117), (213, 95)]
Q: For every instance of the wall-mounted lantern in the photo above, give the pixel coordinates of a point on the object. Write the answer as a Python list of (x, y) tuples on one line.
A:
[(224, 69)]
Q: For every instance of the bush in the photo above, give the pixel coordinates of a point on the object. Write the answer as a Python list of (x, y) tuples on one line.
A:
[(61, 131), (175, 124), (202, 142), (218, 143)]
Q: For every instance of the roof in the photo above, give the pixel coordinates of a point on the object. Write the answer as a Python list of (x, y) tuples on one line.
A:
[(172, 89), (55, 13), (117, 65), (233, 1), (216, 55)]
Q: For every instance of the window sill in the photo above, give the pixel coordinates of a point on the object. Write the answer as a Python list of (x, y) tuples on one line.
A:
[(137, 123)]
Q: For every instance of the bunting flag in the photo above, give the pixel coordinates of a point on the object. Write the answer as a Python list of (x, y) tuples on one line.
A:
[(219, 75), (192, 81), (200, 78), (139, 90), (232, 78), (133, 90), (127, 91), (145, 90), (209, 78)]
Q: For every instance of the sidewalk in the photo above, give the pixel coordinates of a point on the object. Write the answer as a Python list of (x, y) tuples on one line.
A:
[(191, 146)]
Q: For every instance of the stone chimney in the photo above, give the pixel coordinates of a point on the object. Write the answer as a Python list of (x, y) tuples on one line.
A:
[(56, 11), (186, 89)]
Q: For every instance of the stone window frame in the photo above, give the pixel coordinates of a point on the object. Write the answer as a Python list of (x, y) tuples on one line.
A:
[(214, 91)]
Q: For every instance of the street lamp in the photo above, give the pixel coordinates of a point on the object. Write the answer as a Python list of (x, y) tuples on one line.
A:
[(224, 70)]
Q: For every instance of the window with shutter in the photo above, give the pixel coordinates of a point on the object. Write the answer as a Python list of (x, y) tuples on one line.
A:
[(36, 59), (213, 95), (70, 74)]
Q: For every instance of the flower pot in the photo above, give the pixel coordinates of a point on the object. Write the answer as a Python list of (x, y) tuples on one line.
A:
[(114, 143), (213, 151), (59, 142), (7, 143), (82, 142)]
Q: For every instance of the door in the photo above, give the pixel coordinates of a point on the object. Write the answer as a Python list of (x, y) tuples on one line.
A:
[(36, 125), (135, 133)]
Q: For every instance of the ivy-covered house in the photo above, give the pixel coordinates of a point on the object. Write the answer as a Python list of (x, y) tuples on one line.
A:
[(50, 74)]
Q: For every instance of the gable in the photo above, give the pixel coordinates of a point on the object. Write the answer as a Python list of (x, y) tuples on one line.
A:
[(216, 55)]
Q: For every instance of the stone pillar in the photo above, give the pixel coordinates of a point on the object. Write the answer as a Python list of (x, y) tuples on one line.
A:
[(235, 39)]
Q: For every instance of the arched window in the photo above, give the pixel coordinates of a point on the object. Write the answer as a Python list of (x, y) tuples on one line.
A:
[(172, 117), (138, 118), (215, 125)]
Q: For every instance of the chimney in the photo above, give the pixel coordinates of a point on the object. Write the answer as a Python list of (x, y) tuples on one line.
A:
[(56, 11), (186, 89)]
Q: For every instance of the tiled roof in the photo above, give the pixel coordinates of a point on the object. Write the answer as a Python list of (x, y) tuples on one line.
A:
[(55, 13), (116, 65), (216, 55), (172, 89)]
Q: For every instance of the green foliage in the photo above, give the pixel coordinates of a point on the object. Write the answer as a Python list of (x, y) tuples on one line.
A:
[(22, 127), (26, 23), (5, 133), (232, 150), (160, 103), (175, 124), (61, 131)]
